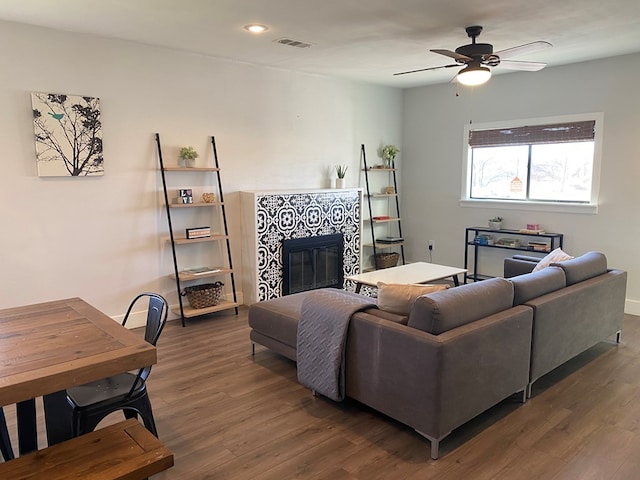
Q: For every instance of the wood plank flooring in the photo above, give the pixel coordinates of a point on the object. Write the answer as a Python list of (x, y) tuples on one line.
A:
[(228, 415)]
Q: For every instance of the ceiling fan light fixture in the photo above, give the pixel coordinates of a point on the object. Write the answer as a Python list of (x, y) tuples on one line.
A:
[(473, 74)]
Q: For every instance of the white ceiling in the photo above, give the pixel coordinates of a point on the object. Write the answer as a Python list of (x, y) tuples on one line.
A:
[(362, 40)]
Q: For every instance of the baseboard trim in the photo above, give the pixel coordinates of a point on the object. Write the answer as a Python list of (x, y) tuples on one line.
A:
[(632, 307)]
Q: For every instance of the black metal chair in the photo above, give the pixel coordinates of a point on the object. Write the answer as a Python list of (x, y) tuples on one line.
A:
[(5, 442), (93, 401)]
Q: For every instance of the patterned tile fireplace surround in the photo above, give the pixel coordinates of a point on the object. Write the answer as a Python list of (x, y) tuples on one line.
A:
[(269, 217)]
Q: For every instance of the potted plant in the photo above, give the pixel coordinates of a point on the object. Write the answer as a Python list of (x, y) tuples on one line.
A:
[(341, 171), (495, 223), (188, 156), (388, 154)]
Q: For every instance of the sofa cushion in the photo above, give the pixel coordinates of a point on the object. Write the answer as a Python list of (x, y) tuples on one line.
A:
[(438, 312), (584, 267), (278, 318), (392, 317), (398, 298), (536, 284), (558, 255)]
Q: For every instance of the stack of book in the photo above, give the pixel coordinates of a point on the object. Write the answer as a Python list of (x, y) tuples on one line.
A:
[(530, 231), (539, 246), (198, 232), (508, 242), (390, 240), (200, 270)]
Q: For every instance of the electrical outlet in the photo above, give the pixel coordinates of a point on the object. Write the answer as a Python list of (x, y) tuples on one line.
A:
[(432, 244)]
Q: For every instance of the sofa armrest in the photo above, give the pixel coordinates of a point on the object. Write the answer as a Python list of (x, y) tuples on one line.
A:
[(435, 383), (519, 265)]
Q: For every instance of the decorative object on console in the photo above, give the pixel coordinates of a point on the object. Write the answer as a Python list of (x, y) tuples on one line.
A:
[(388, 154), (188, 156), (209, 197), (495, 223), (185, 196), (341, 171)]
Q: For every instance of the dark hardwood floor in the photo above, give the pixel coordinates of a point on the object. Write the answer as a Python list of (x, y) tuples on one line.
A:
[(228, 415)]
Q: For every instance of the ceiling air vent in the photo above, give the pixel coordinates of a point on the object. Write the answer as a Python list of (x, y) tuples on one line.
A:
[(292, 43)]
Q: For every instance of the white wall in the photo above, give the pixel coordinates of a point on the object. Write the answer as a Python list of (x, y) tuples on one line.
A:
[(98, 238), (432, 155)]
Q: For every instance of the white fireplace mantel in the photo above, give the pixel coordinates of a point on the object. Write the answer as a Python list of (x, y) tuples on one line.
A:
[(270, 216)]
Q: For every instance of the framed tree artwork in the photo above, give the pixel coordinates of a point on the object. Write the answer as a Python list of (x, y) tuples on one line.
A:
[(68, 134)]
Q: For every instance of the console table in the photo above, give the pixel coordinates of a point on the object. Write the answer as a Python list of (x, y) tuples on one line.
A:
[(478, 238)]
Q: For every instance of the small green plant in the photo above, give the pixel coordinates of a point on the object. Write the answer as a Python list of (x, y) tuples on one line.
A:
[(341, 170), (495, 219), (389, 152), (188, 153)]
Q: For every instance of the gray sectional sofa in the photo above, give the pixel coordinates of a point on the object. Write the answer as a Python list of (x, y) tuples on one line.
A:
[(577, 303), (462, 350)]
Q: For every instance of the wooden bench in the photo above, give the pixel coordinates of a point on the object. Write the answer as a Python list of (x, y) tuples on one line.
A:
[(124, 451)]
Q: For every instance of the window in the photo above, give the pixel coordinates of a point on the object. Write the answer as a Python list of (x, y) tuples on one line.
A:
[(551, 161)]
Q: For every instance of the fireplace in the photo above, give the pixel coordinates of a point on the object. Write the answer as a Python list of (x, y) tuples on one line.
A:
[(271, 217), (312, 262)]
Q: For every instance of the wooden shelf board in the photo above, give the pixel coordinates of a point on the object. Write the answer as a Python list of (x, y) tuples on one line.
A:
[(191, 169), (372, 169), (192, 205), (384, 245), (380, 195), (194, 312), (212, 238), (386, 220), (187, 277)]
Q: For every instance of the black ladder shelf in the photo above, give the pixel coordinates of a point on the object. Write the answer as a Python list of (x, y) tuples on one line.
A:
[(184, 277), (376, 244)]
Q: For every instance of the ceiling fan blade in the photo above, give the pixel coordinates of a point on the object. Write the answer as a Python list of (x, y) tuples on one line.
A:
[(522, 49), (528, 66), (430, 68), (449, 53)]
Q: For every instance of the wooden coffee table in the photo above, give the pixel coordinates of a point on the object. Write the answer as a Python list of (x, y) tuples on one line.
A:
[(419, 272)]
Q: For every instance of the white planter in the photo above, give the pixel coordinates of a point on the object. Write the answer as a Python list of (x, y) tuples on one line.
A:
[(190, 162), (339, 182), (495, 225)]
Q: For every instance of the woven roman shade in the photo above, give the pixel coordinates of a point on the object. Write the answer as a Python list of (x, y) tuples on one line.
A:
[(534, 134)]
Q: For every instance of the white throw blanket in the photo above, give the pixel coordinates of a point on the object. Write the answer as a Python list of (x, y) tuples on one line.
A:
[(322, 337)]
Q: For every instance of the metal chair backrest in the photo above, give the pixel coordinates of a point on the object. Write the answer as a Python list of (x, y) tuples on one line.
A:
[(157, 313)]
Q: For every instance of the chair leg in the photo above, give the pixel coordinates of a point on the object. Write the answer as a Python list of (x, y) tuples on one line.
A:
[(5, 442), (128, 413), (143, 406)]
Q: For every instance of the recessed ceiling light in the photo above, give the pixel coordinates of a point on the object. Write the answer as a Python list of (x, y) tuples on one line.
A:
[(256, 28)]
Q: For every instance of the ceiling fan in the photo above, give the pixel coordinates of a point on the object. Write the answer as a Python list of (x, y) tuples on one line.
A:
[(478, 57)]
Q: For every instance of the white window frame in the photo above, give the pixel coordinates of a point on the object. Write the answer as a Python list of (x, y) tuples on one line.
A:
[(530, 205)]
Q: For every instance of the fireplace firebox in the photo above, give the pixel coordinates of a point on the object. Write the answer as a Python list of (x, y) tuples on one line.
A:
[(311, 263)]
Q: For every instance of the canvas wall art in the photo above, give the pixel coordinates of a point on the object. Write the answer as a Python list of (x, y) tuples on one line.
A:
[(68, 133)]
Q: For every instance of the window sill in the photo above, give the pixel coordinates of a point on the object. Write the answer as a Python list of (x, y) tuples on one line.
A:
[(532, 206)]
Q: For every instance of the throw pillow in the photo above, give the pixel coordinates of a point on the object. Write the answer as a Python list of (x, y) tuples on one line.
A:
[(399, 298), (554, 257)]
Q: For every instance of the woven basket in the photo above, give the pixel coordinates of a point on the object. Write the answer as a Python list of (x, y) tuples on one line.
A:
[(386, 260), (205, 295)]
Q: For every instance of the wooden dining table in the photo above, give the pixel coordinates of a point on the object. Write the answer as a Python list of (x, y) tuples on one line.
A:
[(48, 347)]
